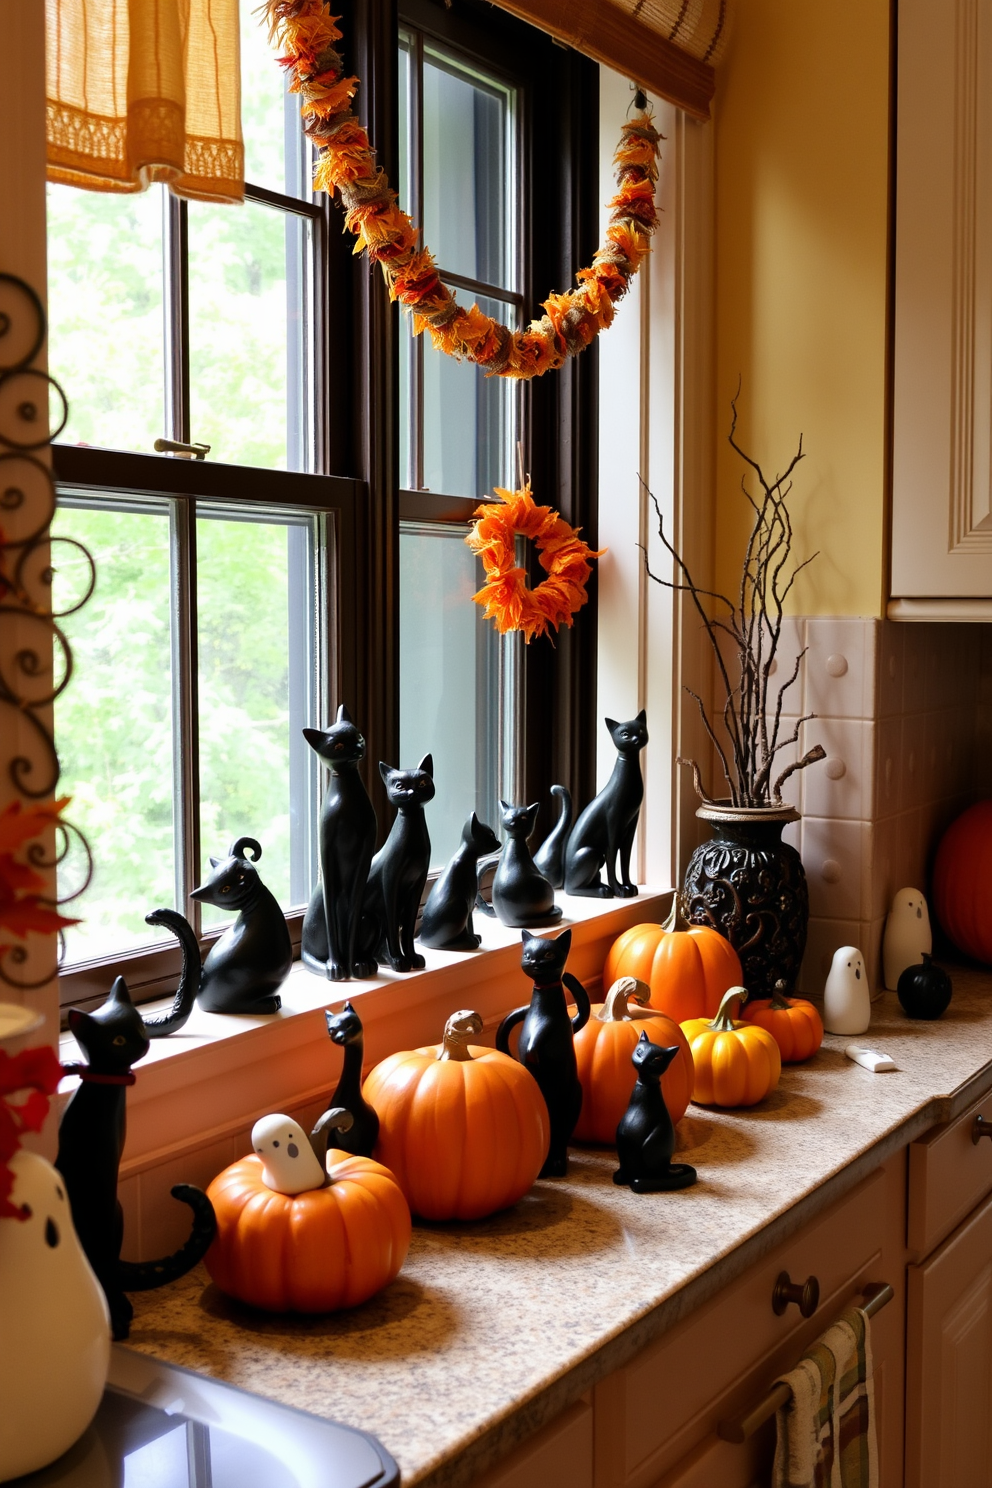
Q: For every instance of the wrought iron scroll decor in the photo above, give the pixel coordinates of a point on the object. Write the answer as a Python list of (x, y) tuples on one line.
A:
[(35, 657)]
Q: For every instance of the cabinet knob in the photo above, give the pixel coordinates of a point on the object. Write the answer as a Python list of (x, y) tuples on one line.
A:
[(980, 1129), (806, 1295)]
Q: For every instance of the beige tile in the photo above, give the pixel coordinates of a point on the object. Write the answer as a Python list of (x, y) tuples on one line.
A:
[(841, 785), (888, 766), (840, 667), (891, 664), (835, 858)]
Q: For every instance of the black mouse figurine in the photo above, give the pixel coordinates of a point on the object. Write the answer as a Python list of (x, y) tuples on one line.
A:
[(550, 856), (446, 924), (521, 895), (604, 832), (646, 1134), (345, 841), (91, 1140), (547, 1039), (345, 1028), (398, 874)]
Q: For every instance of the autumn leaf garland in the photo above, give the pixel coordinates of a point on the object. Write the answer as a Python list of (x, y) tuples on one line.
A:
[(23, 905)]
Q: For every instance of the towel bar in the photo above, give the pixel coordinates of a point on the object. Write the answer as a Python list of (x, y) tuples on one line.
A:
[(737, 1429)]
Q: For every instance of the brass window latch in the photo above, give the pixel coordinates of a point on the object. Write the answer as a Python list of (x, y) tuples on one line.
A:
[(184, 451)]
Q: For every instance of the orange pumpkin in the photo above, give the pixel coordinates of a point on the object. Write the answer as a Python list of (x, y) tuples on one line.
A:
[(312, 1251), (464, 1128), (688, 967), (962, 882), (602, 1053), (737, 1064), (793, 1023)]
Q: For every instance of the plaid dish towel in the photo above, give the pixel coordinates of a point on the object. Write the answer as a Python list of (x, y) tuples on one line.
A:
[(826, 1432)]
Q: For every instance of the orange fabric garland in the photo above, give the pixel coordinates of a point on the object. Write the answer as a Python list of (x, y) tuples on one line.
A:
[(566, 558), (346, 164)]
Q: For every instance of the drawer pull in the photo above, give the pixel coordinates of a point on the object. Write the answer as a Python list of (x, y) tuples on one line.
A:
[(806, 1295), (981, 1128)]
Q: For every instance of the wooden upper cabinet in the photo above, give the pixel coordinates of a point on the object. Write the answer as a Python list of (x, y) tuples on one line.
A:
[(942, 394)]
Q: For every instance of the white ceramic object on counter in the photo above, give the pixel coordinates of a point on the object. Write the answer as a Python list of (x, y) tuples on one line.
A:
[(847, 996), (907, 938), (54, 1325)]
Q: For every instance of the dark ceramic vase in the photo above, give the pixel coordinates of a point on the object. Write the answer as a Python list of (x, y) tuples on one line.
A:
[(750, 885)]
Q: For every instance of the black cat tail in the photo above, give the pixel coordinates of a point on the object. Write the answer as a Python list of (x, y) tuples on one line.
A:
[(144, 1276), (189, 982), (550, 856)]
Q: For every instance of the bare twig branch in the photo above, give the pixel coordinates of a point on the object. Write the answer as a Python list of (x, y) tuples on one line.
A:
[(809, 758), (696, 779)]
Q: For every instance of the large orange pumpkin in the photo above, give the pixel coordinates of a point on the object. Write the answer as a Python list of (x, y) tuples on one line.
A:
[(962, 882), (737, 1064), (314, 1251), (464, 1128), (602, 1053), (688, 967), (793, 1023)]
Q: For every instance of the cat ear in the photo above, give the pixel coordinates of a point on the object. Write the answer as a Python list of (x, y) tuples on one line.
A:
[(564, 940), (642, 717), (348, 1008), (214, 862), (119, 992), (505, 805), (427, 765), (525, 936), (643, 1038), (385, 771), (343, 715), (77, 1020), (314, 737), (611, 723)]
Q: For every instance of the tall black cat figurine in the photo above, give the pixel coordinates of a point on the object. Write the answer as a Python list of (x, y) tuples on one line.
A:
[(521, 895), (345, 1028), (646, 1136), (447, 920), (547, 1039), (346, 842), (91, 1140), (604, 832), (550, 856), (398, 873)]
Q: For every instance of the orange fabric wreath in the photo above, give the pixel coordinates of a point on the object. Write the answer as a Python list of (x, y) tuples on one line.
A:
[(507, 598), (346, 164)]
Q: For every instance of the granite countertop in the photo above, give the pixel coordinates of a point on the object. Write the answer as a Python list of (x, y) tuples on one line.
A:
[(492, 1328)]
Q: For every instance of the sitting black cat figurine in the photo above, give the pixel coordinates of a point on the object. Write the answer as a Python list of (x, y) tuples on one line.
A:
[(345, 1028), (646, 1136), (604, 832), (398, 874), (547, 1039), (550, 856), (91, 1140), (346, 842), (521, 895), (447, 920)]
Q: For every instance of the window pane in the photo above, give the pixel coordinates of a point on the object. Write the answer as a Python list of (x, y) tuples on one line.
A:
[(113, 724), (257, 774), (448, 681), (105, 315), (469, 421), (468, 183), (246, 289), (270, 115)]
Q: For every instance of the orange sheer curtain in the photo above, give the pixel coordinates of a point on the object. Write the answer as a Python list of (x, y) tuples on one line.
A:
[(145, 90)]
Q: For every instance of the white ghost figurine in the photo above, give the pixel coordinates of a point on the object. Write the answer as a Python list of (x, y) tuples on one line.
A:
[(54, 1325), (847, 996), (289, 1163), (907, 938)]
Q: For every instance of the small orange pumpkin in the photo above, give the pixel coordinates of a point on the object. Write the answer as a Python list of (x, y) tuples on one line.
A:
[(737, 1064), (793, 1023), (314, 1250), (688, 967), (602, 1053), (464, 1128)]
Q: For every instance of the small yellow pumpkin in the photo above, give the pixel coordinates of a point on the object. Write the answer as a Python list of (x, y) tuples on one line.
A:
[(737, 1063)]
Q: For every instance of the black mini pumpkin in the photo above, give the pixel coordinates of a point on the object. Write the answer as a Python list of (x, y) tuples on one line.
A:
[(924, 990)]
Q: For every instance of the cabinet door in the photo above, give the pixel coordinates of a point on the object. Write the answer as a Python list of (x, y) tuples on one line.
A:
[(949, 1361)]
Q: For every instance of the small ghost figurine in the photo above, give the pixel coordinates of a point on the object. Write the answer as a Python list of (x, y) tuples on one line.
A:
[(907, 936), (289, 1163), (847, 996)]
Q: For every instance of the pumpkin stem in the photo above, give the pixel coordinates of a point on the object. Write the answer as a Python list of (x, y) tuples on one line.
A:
[(677, 917), (779, 1002), (336, 1119), (459, 1028), (624, 991), (730, 1005)]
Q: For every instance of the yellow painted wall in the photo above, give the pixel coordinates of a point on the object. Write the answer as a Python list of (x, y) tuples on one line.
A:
[(801, 262)]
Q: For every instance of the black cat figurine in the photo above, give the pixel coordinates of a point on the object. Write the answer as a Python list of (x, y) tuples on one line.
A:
[(521, 895), (646, 1135), (398, 873), (550, 856), (547, 1039), (604, 832), (447, 919), (345, 1028), (91, 1140), (346, 842)]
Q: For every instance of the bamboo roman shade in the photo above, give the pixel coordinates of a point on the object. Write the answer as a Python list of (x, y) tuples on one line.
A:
[(145, 90), (669, 47)]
